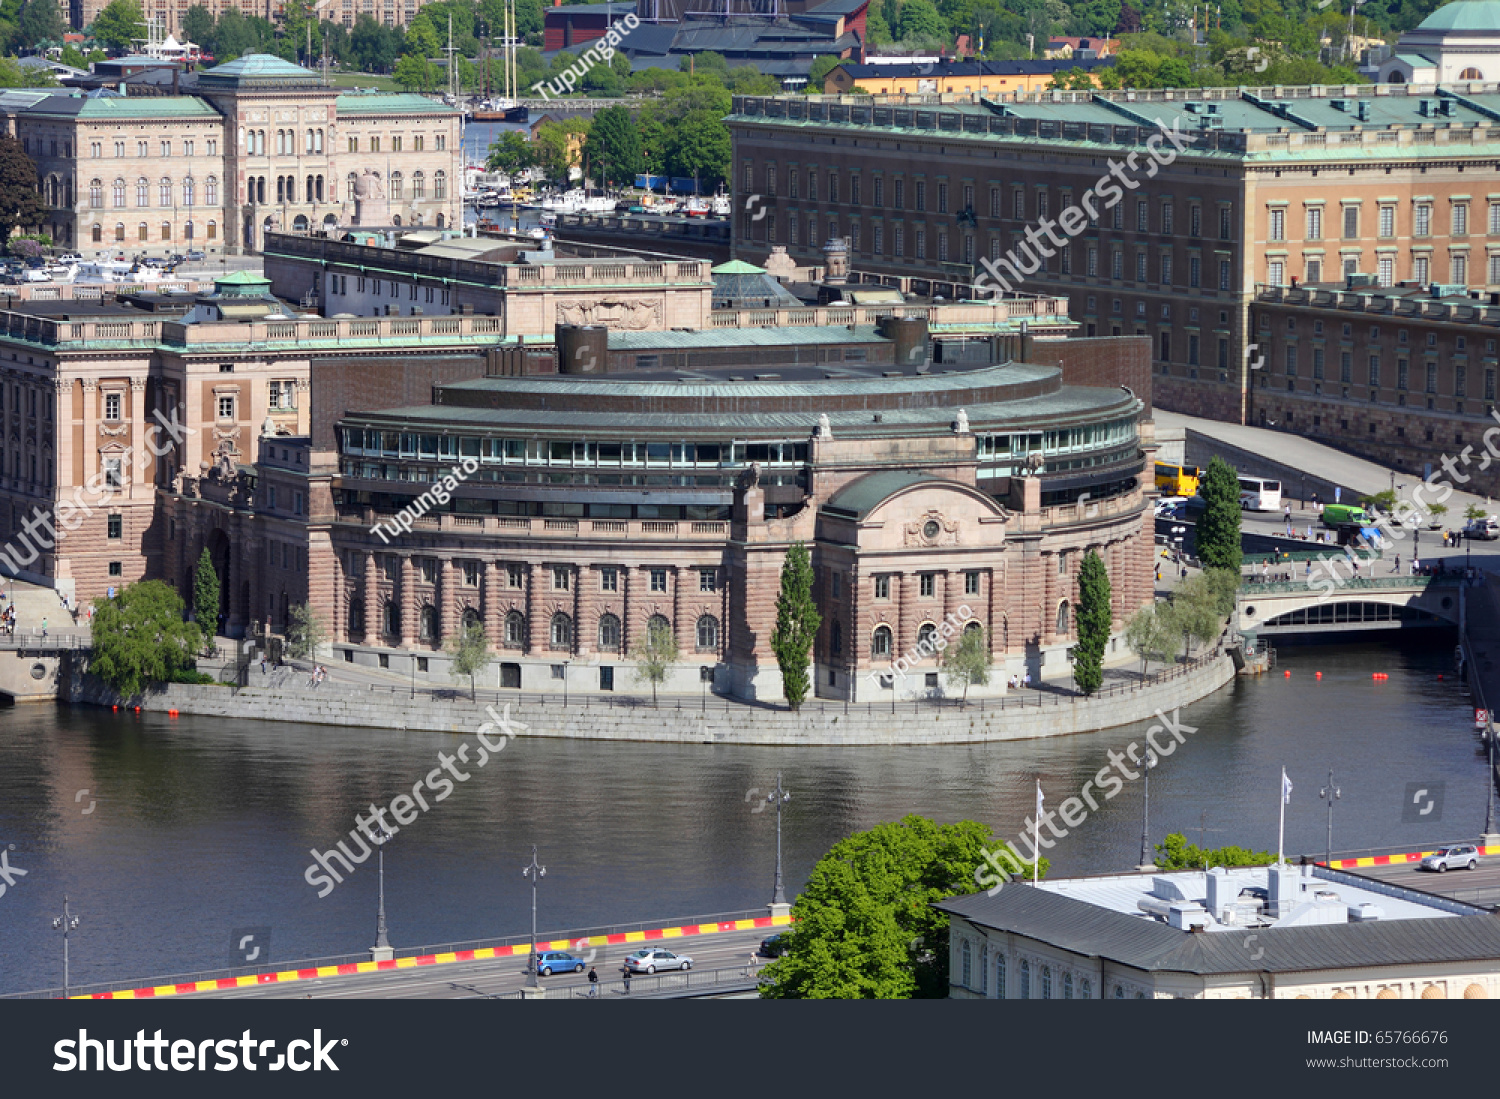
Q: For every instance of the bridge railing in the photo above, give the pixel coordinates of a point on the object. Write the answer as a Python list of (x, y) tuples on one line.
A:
[(1253, 587), (743, 977)]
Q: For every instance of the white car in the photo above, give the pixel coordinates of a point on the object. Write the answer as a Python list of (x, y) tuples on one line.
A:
[(1446, 858), (1167, 505), (650, 959)]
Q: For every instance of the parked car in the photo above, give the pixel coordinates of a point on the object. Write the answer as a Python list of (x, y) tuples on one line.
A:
[(650, 959), (557, 961), (70, 257), (1446, 858), (1167, 506), (195, 256), (1486, 529), (774, 947)]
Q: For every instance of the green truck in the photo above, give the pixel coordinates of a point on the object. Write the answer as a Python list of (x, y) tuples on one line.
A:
[(1344, 515)]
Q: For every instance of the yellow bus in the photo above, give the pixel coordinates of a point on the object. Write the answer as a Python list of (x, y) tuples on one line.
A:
[(1177, 480)]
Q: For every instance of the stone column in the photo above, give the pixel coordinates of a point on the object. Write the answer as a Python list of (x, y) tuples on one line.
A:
[(373, 618), (408, 596), (90, 430), (494, 620), (447, 600), (585, 610), (538, 621)]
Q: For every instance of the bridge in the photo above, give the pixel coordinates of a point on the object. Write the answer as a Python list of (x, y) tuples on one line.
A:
[(1323, 605)]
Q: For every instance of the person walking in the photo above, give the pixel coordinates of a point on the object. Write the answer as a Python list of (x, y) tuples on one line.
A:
[(44, 629), (263, 662), (1396, 568), (593, 982), (625, 972)]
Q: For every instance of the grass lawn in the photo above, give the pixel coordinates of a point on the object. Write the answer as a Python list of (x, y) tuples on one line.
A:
[(363, 80)]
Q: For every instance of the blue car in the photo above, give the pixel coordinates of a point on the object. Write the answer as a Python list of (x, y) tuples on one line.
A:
[(557, 961)]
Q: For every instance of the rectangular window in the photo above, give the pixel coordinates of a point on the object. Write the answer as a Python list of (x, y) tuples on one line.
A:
[(1224, 274), (1291, 361), (1142, 215), (1018, 204), (609, 579), (1166, 218), (836, 584), (879, 191), (116, 528), (928, 585), (900, 194), (854, 190), (942, 198), (1314, 270), (708, 580), (1403, 374), (1195, 272), (1460, 265), (1460, 219), (1374, 370), (226, 408), (1315, 223), (921, 196), (971, 583), (1386, 271), (1422, 221), (658, 579), (1318, 363), (560, 575), (112, 403), (1278, 224), (882, 587), (1431, 386), (1421, 270), (1351, 222), (1195, 220), (1460, 381), (515, 576), (114, 473), (1166, 269), (1226, 222)]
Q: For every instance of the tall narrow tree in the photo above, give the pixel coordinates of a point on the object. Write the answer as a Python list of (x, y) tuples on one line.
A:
[(206, 597), (1218, 537), (797, 623), (1094, 616)]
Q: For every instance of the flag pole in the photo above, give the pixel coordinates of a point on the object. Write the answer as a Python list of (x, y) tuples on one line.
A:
[(1281, 830), (1036, 837)]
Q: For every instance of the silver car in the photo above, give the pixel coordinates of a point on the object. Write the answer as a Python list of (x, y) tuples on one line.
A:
[(650, 959), (1444, 859)]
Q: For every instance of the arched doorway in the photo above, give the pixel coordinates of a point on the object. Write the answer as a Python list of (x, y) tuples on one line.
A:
[(218, 553)]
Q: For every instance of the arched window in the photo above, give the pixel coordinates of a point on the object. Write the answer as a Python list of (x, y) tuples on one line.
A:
[(211, 191), (143, 192), (418, 186), (440, 221), (470, 618), (187, 232), (307, 141), (515, 630), (1062, 618), (1471, 74), (708, 634), (120, 232), (97, 233), (280, 188), (440, 185), (119, 195), (609, 634), (984, 969), (393, 619), (1046, 982), (880, 641), (562, 632), (396, 185), (96, 194), (166, 230), (1000, 977), (300, 223), (189, 187), (1067, 986), (318, 144), (1085, 989), (320, 188), (307, 192), (967, 963), (356, 616), (657, 622), (213, 231), (836, 639), (165, 190), (427, 623), (1025, 980), (395, 219), (143, 231), (926, 634)]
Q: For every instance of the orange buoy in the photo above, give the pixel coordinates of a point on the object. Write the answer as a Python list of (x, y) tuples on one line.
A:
[(1287, 674), (1317, 675), (137, 709), (171, 713), (1440, 677)]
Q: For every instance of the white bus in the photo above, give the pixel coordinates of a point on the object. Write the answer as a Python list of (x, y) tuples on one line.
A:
[(1259, 494)]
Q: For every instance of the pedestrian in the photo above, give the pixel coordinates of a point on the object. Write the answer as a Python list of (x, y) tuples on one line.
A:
[(1397, 568), (625, 973), (593, 982), (1184, 572), (1027, 680), (1288, 515), (263, 662), (1308, 571), (44, 629)]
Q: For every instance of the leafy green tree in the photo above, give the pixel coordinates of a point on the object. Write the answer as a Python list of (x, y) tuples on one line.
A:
[(864, 926), (198, 24), (797, 624), (510, 154), (41, 21), (967, 660), (20, 204), (1223, 586), (613, 148), (877, 30), (1472, 512), (375, 45), (698, 148), (920, 20), (703, 61), (654, 654), (470, 650), (1218, 539), (139, 637), (414, 73), (553, 150), (817, 72), (1152, 634), (1094, 617), (1176, 853), (118, 23), (422, 37), (1195, 611), (206, 596), (694, 95), (306, 634), (13, 75)]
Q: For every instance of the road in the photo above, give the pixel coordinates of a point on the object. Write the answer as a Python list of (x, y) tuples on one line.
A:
[(503, 976), (1481, 886)]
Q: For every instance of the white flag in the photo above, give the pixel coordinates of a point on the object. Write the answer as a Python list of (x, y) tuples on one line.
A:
[(1286, 788), (1039, 801)]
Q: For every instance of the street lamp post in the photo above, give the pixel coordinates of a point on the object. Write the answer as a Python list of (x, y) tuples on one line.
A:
[(778, 797), (1490, 836), (382, 950), (1331, 794), (535, 871), (67, 923), (1146, 863)]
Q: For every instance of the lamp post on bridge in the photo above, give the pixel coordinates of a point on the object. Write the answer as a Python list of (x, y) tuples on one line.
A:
[(779, 797), (1330, 793), (535, 871), (382, 951), (67, 923), (1146, 863)]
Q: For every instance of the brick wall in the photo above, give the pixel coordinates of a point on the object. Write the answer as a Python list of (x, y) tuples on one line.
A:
[(340, 386), (1105, 361)]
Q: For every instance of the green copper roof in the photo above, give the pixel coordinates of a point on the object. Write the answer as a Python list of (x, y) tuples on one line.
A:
[(389, 103), (738, 267), (1465, 15), (107, 108), (257, 69)]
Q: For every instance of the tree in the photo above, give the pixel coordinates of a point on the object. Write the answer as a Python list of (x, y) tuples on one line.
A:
[(1175, 853), (306, 635), (817, 72), (1152, 634), (471, 653), (920, 20), (41, 21), (1195, 611), (118, 24), (698, 148), (613, 148), (510, 154), (198, 24), (13, 75), (864, 926), (1218, 539), (139, 637), (414, 73), (654, 654), (20, 203), (797, 624), (1094, 615), (206, 596), (1472, 512), (967, 660)]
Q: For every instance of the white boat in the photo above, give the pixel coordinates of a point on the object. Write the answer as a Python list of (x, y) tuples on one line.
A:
[(722, 205), (576, 202), (107, 272), (62, 272)]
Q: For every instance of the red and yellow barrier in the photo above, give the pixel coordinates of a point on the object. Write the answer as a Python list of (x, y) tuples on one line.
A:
[(521, 950), (1395, 860)]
